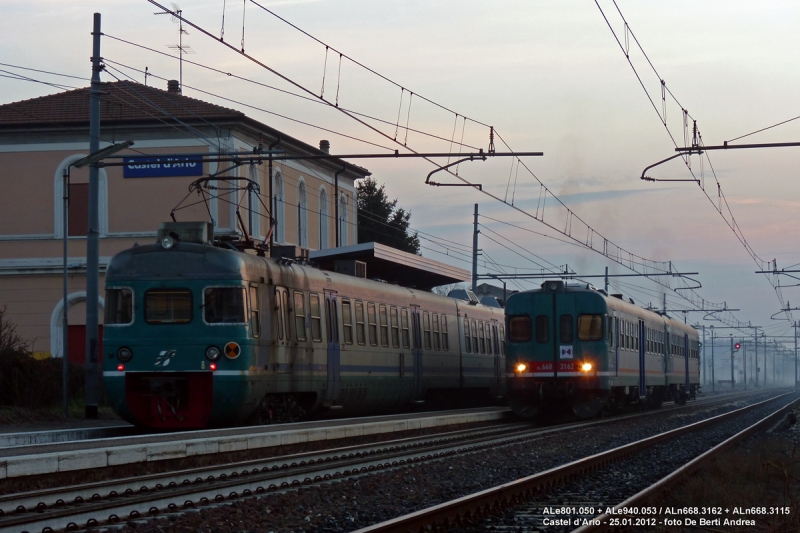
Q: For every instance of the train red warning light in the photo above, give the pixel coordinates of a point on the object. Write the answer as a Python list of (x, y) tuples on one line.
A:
[(120, 368), (213, 366)]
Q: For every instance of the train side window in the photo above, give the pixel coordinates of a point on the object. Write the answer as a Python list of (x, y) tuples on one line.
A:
[(489, 338), (467, 338), (299, 316), (496, 340), (279, 313), (590, 327), (316, 317), (566, 334), (168, 306), (255, 323), (436, 340), (384, 317), (636, 337), (286, 315), (445, 340), (610, 330), (404, 328), (502, 340), (373, 324), (119, 307), (481, 336), (347, 322), (360, 331), (395, 327), (474, 324), (426, 329)]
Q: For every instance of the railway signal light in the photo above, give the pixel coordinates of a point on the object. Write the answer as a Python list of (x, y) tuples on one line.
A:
[(737, 346)]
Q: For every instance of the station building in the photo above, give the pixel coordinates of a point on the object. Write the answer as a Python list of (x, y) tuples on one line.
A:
[(42, 137)]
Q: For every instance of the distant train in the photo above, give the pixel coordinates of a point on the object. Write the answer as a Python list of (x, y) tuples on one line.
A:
[(574, 345), (200, 334)]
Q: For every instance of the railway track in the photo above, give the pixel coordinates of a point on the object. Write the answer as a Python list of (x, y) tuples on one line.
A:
[(580, 495), (143, 496)]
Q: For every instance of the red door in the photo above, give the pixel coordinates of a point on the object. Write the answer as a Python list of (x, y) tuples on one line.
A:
[(77, 345)]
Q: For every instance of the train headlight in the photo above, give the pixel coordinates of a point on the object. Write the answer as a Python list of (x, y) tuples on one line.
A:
[(167, 242), (124, 354), (586, 367), (213, 353), (522, 367)]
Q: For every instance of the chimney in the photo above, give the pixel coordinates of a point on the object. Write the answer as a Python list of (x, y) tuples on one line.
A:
[(173, 86), (325, 146)]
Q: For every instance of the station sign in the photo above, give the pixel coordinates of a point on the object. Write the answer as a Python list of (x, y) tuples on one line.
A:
[(163, 166)]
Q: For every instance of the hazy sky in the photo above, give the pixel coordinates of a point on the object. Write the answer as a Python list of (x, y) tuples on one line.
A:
[(548, 75)]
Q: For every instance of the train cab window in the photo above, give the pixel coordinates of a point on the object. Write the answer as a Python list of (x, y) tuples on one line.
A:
[(426, 329), (481, 337), (224, 305), (395, 327), (467, 338), (316, 317), (255, 322), (404, 328), (119, 307), (445, 340), (519, 328), (384, 317), (590, 327), (373, 324), (360, 333), (566, 333), (437, 343), (169, 306), (347, 322), (299, 316)]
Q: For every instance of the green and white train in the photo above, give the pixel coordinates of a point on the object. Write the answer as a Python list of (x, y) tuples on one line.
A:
[(200, 334), (571, 344)]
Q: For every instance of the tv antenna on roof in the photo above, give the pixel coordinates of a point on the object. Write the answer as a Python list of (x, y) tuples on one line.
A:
[(176, 16)]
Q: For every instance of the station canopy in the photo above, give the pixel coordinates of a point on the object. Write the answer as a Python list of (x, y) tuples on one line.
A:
[(392, 265)]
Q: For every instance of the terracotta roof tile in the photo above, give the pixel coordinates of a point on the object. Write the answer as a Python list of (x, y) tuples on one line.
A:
[(120, 101)]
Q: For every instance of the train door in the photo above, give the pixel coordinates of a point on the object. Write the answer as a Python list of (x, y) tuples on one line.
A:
[(282, 321), (495, 348), (642, 345), (334, 347), (416, 327), (564, 324)]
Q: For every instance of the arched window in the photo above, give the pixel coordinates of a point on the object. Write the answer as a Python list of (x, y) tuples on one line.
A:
[(343, 226), (323, 219), (278, 208), (302, 215)]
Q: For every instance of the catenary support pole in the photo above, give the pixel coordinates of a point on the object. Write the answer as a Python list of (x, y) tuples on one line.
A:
[(93, 236), (475, 251), (606, 280), (795, 354), (705, 359), (744, 363), (732, 377), (65, 308), (713, 381)]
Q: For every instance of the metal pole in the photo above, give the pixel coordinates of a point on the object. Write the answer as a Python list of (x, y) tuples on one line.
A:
[(795, 354), (703, 355), (606, 280), (475, 251), (713, 381), (93, 235), (65, 308), (744, 363), (273, 202), (732, 378), (755, 338)]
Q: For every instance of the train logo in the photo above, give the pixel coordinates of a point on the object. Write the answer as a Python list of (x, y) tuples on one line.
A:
[(165, 357), (232, 350), (566, 352)]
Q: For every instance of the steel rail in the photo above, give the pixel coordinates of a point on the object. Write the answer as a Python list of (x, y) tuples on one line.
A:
[(473, 507), (682, 472), (159, 492)]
